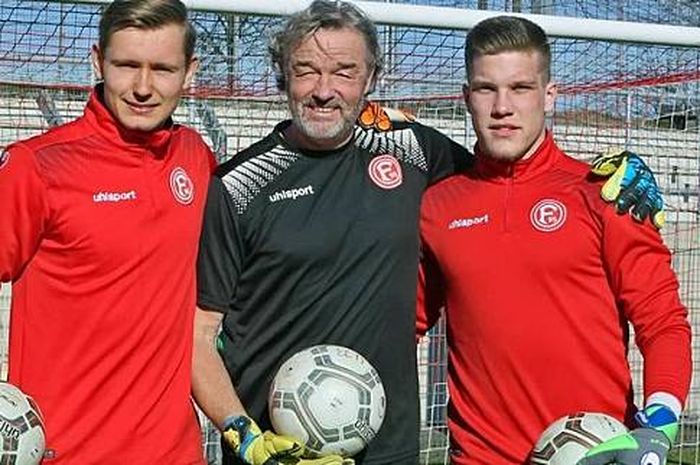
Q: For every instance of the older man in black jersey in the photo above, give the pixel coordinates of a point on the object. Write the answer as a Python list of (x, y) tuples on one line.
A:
[(310, 236), (334, 263)]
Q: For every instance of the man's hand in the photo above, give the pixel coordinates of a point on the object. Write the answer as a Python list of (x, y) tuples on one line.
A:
[(642, 446), (647, 445), (374, 116), (660, 418), (244, 437), (631, 185), (254, 447)]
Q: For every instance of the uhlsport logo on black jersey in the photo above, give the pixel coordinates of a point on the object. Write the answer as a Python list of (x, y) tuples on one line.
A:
[(548, 215), (292, 194), (181, 186)]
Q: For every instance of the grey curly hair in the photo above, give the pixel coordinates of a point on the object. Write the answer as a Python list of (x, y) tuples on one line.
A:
[(323, 14)]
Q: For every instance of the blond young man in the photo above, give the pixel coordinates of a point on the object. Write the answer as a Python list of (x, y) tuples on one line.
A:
[(539, 277), (99, 228)]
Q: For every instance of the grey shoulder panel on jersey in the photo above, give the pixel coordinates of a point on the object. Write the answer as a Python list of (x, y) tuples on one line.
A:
[(401, 143), (246, 180)]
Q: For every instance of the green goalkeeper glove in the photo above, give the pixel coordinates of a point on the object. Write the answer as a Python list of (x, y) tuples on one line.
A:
[(647, 445), (254, 447), (659, 417), (631, 185)]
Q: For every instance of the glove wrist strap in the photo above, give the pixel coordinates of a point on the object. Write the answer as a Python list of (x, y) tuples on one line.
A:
[(237, 433), (659, 417)]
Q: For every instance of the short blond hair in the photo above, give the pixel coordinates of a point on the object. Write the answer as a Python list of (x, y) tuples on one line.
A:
[(146, 14), (507, 34)]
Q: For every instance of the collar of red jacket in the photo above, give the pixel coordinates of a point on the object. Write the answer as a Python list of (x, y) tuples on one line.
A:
[(542, 160), (106, 125)]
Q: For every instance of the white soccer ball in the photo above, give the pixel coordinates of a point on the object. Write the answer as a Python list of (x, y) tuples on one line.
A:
[(330, 398), (21, 428), (567, 440)]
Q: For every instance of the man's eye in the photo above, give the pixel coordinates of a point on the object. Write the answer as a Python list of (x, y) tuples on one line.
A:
[(304, 72)]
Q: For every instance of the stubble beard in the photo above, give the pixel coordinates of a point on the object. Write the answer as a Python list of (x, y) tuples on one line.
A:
[(320, 131)]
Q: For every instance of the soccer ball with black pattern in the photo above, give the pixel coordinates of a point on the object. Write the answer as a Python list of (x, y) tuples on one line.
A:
[(21, 428), (330, 398), (567, 440)]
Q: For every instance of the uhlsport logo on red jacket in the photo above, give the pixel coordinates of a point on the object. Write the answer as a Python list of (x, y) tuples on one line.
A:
[(548, 215), (181, 186)]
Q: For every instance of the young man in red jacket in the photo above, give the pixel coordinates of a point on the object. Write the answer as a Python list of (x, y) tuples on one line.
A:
[(99, 227), (539, 277)]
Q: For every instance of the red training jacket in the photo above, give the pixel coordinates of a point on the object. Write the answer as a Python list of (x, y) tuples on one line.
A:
[(539, 277), (99, 232)]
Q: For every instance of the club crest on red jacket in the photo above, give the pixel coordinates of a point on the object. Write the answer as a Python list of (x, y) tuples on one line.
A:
[(181, 186), (548, 215)]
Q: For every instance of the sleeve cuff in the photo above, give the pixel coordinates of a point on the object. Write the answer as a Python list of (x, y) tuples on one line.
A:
[(666, 399)]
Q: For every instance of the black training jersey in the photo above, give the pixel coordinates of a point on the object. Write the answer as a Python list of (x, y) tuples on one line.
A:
[(301, 248)]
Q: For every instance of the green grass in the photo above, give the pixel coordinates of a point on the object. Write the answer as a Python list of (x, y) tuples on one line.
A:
[(688, 455), (433, 446)]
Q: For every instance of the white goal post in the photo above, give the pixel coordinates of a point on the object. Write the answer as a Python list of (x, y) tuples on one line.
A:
[(461, 18)]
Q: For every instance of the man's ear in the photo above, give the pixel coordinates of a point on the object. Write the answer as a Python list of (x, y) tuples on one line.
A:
[(97, 59), (466, 93), (191, 70), (550, 95), (371, 83)]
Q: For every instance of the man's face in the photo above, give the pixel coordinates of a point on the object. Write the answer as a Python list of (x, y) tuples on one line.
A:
[(327, 80), (144, 73), (507, 97)]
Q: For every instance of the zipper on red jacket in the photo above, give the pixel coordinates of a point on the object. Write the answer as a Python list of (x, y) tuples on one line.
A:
[(506, 203), (152, 169)]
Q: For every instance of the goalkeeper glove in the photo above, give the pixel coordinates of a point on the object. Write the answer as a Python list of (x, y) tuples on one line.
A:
[(647, 445), (631, 185), (325, 460), (374, 116), (659, 417), (254, 447)]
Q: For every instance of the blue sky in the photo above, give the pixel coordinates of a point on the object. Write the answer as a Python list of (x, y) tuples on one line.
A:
[(48, 43)]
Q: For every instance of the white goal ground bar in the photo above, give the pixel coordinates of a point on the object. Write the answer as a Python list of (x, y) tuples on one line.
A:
[(459, 18)]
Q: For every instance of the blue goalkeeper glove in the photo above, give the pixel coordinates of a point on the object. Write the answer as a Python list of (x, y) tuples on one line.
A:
[(647, 445), (254, 447), (631, 185)]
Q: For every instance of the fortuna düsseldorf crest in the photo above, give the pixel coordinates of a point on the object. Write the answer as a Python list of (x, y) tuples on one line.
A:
[(385, 171), (548, 215), (181, 186)]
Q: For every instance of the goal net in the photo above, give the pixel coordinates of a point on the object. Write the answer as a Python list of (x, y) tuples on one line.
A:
[(643, 96)]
